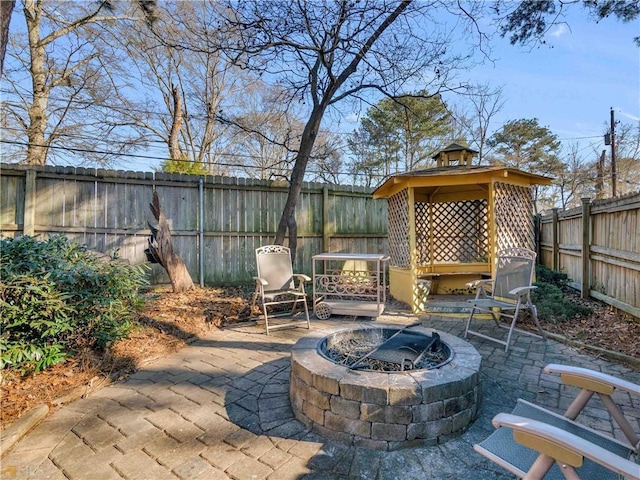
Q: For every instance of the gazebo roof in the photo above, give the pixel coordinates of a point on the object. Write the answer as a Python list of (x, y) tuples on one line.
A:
[(452, 176)]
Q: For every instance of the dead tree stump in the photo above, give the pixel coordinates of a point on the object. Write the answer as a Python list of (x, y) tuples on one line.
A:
[(161, 250)]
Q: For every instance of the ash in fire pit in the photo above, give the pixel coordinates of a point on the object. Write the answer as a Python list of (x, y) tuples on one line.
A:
[(386, 349)]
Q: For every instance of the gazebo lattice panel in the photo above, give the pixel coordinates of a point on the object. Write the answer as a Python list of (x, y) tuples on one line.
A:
[(398, 208), (422, 232), (514, 216), (458, 231)]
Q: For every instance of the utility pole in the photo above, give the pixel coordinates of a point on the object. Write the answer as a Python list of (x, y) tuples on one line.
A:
[(613, 154)]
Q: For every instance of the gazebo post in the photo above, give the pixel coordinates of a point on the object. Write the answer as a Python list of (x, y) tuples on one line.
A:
[(493, 234), (413, 252)]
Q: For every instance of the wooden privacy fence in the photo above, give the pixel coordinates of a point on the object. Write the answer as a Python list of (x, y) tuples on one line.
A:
[(216, 222), (598, 247)]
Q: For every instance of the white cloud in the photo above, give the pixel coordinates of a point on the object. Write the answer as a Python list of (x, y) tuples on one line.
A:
[(352, 117), (559, 31)]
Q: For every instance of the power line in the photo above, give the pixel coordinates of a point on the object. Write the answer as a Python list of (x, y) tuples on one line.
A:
[(220, 164), (204, 117), (167, 115)]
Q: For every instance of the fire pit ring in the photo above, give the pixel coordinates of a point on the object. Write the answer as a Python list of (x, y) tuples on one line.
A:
[(381, 409)]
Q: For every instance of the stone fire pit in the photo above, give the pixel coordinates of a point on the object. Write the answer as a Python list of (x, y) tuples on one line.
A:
[(384, 410)]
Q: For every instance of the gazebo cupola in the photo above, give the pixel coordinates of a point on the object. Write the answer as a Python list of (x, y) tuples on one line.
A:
[(454, 155), (447, 223)]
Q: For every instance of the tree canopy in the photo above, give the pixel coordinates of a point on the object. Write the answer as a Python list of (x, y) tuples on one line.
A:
[(528, 21), (399, 134), (138, 72)]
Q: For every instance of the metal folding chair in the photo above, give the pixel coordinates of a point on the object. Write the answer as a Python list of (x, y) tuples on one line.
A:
[(510, 292), (276, 285)]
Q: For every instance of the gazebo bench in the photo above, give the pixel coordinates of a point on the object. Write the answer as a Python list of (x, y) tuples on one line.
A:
[(433, 277)]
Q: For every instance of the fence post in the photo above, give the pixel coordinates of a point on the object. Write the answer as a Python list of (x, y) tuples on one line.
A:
[(586, 251), (555, 250), (537, 221), (201, 229), (326, 234), (30, 194)]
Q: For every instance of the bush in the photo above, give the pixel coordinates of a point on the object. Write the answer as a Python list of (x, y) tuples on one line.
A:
[(184, 166), (57, 296), (550, 300), (546, 275), (35, 319)]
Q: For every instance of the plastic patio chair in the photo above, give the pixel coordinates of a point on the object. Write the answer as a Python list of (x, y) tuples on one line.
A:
[(535, 443), (510, 294), (276, 285)]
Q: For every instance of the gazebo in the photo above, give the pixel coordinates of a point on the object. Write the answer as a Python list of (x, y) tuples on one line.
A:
[(447, 223)]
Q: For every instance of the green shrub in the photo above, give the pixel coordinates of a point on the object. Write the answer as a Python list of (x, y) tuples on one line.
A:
[(60, 296), (547, 275), (550, 300), (184, 166), (35, 320)]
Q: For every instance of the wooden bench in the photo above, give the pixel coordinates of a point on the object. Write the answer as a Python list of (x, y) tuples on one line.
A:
[(433, 277)]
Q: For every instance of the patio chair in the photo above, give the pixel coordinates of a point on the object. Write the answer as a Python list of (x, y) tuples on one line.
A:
[(535, 443), (276, 285), (510, 294)]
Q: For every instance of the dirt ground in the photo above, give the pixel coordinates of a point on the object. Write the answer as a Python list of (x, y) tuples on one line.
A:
[(169, 321)]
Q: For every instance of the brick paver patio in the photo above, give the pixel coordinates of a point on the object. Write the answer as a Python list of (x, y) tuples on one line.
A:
[(219, 409)]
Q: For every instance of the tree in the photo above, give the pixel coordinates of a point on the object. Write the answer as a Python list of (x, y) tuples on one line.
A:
[(400, 133), (327, 159), (6, 11), (627, 158), (418, 122), (484, 104), (63, 59), (375, 152), (528, 21), (327, 52), (6, 8), (184, 90), (367, 165), (266, 132), (575, 180), (526, 145)]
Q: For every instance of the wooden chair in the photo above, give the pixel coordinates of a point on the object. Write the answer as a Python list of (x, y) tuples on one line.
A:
[(535, 443), (510, 292), (276, 285)]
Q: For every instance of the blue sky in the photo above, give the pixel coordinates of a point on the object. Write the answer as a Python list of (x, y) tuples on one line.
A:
[(571, 83)]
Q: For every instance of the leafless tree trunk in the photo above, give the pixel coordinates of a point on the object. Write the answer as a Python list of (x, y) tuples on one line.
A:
[(6, 8), (49, 69), (176, 125), (162, 251), (37, 151), (310, 133)]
